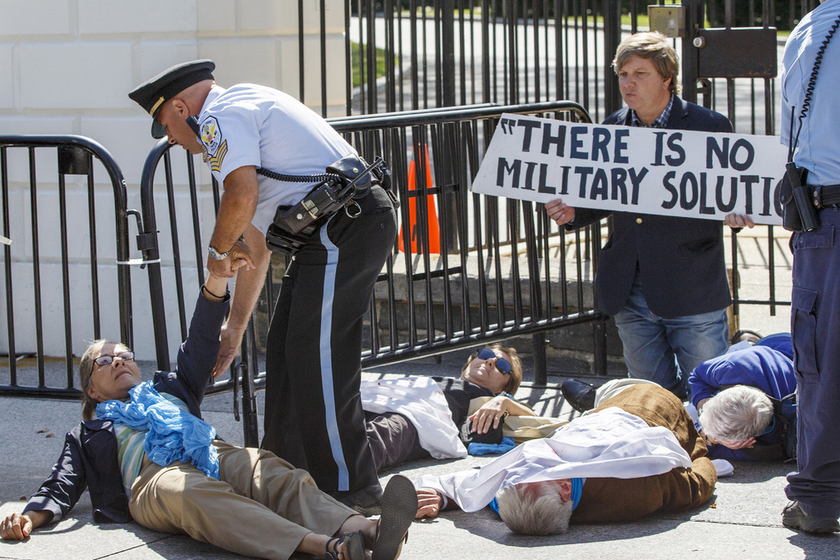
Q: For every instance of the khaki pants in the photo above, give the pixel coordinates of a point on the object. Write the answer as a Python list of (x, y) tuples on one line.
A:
[(261, 507)]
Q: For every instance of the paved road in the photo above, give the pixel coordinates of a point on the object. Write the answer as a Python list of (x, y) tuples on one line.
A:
[(742, 521)]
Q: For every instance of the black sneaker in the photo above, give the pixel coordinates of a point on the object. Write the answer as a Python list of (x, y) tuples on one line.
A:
[(794, 518), (367, 501), (399, 506), (578, 394)]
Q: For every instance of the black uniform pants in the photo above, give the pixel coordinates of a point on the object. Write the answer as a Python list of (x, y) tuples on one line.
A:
[(313, 416)]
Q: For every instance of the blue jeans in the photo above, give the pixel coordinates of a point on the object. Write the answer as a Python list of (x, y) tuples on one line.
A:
[(666, 351)]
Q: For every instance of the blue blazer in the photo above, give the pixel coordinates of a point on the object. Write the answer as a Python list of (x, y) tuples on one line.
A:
[(757, 366), (681, 260)]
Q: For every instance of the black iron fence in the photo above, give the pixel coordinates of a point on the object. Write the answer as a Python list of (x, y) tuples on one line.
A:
[(60, 290), (436, 53)]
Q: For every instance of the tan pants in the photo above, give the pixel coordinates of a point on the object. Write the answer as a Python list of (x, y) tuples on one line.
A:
[(261, 507)]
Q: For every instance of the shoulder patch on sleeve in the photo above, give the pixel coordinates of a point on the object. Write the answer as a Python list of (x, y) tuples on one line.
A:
[(214, 141)]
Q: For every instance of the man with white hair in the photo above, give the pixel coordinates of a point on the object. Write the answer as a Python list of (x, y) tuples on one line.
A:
[(637, 453), (732, 394)]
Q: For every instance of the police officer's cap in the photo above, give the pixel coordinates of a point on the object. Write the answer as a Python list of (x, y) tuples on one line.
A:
[(152, 94)]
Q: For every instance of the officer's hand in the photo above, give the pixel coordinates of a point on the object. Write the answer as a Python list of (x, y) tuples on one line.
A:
[(241, 256), (222, 269), (429, 503), (738, 221), (230, 342), (560, 212), (16, 527), (238, 257)]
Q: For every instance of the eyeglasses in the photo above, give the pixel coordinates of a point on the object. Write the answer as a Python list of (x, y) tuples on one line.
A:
[(501, 364), (105, 359)]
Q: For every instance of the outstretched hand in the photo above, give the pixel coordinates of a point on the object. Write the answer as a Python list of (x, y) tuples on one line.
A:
[(16, 527), (429, 503), (238, 257)]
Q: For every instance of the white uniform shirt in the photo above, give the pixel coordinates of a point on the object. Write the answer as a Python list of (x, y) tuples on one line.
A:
[(249, 124), (609, 444)]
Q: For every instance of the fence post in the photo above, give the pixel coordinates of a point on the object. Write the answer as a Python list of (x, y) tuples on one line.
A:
[(690, 60), (447, 53), (612, 37)]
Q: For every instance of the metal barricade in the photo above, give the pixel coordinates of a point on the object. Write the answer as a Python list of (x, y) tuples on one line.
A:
[(68, 253), (466, 268)]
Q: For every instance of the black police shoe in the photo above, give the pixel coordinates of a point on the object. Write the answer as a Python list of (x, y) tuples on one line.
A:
[(367, 501), (578, 394), (793, 517)]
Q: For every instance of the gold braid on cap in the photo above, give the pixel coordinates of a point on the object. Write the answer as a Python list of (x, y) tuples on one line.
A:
[(156, 105)]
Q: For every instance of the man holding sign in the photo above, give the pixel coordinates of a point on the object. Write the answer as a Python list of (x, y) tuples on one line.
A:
[(662, 277)]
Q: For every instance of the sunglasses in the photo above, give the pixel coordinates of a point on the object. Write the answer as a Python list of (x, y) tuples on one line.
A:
[(105, 359), (501, 364)]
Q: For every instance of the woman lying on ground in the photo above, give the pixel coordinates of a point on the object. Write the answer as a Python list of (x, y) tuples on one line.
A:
[(407, 420), (144, 453)]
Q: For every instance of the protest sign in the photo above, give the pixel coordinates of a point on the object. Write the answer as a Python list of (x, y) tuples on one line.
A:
[(642, 170)]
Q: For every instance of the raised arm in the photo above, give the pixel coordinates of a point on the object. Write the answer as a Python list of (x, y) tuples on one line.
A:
[(197, 354)]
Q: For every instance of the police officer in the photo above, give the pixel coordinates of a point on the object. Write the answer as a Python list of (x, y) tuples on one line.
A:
[(815, 314), (313, 416)]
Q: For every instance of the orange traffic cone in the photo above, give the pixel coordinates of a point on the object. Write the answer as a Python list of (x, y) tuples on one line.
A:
[(431, 236)]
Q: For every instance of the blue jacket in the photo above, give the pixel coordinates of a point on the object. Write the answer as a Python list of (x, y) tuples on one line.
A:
[(89, 458), (758, 366), (681, 260)]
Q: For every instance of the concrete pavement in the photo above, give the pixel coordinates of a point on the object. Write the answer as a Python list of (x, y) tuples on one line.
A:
[(742, 521)]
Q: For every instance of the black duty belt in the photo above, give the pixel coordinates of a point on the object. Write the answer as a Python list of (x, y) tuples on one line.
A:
[(825, 195)]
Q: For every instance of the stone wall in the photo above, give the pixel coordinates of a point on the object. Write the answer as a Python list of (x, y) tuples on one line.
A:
[(66, 67)]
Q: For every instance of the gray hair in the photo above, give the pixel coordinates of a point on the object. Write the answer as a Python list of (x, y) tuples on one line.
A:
[(534, 511), (86, 366), (737, 413)]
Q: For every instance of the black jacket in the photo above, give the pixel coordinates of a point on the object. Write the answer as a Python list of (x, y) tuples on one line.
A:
[(681, 260)]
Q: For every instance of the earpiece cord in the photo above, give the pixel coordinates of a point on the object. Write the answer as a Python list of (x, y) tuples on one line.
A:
[(809, 91)]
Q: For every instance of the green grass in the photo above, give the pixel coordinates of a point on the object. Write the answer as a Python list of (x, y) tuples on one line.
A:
[(381, 55)]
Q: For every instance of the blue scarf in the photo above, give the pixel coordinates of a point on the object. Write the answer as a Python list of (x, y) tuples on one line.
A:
[(172, 434)]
